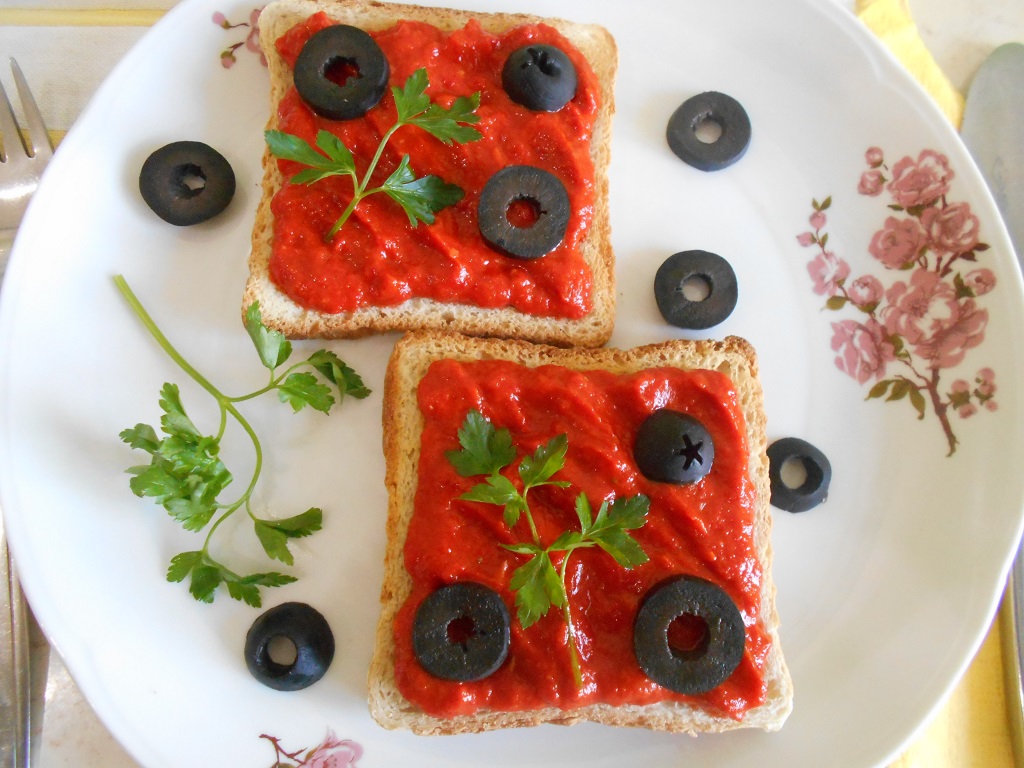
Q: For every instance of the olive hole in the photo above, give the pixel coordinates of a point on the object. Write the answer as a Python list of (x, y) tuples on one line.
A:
[(341, 69), (282, 650), (690, 451), (695, 287), (461, 630), (191, 179), (542, 61), (523, 212), (688, 636), (799, 474), (708, 129)]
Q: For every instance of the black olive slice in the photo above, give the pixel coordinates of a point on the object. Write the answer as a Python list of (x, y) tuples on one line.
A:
[(712, 280), (362, 66), (814, 488), (186, 182), (308, 632), (461, 632), (540, 77), (703, 665), (673, 447), (542, 192), (726, 114)]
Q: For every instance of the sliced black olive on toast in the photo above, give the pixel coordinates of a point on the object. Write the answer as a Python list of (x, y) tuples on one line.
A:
[(673, 447), (461, 632), (545, 211), (186, 182), (709, 153), (813, 465), (306, 629), (540, 77), (712, 282), (341, 72), (714, 630)]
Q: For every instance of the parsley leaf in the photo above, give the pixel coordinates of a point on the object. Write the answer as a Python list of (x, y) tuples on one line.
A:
[(186, 476), (538, 584), (485, 450), (420, 198)]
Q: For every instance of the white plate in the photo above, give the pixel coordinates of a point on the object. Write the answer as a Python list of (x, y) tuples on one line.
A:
[(885, 591)]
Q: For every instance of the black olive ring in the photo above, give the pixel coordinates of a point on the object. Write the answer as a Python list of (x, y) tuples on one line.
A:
[(359, 94), (523, 182), (484, 645), (721, 109), (814, 490), (708, 665), (186, 182), (308, 631), (712, 269)]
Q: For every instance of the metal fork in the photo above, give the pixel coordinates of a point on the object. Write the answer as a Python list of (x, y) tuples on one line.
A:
[(21, 167), (22, 162)]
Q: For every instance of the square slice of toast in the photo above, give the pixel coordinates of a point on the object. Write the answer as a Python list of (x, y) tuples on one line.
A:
[(416, 456), (284, 313)]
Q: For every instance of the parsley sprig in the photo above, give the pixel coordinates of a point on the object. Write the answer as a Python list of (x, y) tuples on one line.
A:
[(186, 476), (538, 584), (421, 197)]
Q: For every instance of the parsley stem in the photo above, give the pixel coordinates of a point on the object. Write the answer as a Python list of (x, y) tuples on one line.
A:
[(529, 517), (574, 658), (224, 402), (360, 190)]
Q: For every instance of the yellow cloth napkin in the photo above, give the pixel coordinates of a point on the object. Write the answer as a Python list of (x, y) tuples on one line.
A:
[(972, 728)]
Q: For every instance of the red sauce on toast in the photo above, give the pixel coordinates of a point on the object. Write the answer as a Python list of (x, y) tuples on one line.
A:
[(704, 529), (379, 258)]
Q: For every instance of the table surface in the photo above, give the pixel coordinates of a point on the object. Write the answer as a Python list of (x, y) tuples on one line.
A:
[(94, 34)]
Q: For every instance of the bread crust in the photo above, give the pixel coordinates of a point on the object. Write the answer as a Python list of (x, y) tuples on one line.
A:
[(282, 313), (403, 424)]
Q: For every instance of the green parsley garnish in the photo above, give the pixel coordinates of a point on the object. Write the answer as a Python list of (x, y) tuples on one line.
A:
[(186, 476), (538, 584), (420, 198)]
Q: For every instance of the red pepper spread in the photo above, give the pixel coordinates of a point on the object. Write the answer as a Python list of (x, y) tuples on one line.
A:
[(379, 258), (704, 529)]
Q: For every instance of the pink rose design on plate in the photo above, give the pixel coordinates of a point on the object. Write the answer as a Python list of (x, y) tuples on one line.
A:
[(865, 350), (909, 331), (953, 229), (828, 272), (332, 752), (920, 182), (898, 243), (250, 43)]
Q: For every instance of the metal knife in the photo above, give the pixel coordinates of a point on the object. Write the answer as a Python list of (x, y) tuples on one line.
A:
[(993, 130)]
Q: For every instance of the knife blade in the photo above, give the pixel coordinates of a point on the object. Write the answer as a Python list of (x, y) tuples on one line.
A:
[(993, 130)]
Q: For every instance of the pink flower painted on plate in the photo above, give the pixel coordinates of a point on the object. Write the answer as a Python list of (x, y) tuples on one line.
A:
[(952, 229), (332, 752), (828, 272), (865, 350), (911, 330), (866, 291), (250, 43), (871, 183), (898, 243), (915, 308), (920, 182), (949, 340), (980, 281)]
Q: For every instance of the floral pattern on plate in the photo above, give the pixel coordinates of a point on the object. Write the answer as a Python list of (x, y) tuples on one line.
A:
[(332, 752), (251, 41), (906, 335)]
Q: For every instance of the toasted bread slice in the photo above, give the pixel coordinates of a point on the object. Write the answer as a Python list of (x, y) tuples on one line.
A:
[(404, 423), (283, 313)]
